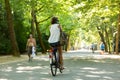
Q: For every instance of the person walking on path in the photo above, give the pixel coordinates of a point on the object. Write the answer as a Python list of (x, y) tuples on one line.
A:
[(30, 46), (54, 39), (93, 47), (102, 48)]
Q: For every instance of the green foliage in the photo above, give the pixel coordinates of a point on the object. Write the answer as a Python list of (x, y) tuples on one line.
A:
[(78, 18), (21, 31)]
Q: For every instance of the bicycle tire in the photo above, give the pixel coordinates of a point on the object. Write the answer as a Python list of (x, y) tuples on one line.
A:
[(53, 65)]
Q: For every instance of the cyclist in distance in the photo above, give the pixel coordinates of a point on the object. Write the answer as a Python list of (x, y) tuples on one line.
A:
[(54, 39)]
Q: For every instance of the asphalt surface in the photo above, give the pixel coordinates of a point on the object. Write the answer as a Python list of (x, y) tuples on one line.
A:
[(79, 65)]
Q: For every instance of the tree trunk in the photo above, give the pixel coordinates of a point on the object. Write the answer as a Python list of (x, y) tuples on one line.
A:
[(102, 37), (32, 23), (118, 33), (107, 41), (68, 43), (39, 35), (15, 49)]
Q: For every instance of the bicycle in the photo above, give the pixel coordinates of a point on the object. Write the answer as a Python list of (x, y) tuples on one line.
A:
[(54, 61)]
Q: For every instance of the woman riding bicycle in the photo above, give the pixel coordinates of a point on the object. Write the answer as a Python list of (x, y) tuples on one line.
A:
[(55, 37)]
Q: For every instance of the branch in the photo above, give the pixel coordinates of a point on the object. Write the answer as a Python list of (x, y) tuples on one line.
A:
[(44, 19), (39, 9)]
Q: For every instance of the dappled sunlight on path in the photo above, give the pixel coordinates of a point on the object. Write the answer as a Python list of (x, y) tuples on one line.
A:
[(24, 70), (79, 65)]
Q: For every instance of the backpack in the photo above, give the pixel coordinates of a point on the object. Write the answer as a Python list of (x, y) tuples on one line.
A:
[(63, 38)]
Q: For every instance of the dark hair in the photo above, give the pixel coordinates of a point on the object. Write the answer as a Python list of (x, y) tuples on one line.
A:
[(54, 20)]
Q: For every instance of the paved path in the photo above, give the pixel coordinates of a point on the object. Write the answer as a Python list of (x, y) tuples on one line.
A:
[(80, 65)]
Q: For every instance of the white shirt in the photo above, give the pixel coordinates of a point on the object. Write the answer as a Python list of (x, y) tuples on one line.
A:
[(54, 33)]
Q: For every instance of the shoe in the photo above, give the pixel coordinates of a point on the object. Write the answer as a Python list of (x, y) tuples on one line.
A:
[(62, 68)]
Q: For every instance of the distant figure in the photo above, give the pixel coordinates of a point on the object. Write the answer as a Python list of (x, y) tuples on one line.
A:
[(93, 47), (30, 46), (102, 48)]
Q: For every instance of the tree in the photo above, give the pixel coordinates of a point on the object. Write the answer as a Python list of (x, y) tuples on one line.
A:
[(15, 49), (80, 19), (118, 33)]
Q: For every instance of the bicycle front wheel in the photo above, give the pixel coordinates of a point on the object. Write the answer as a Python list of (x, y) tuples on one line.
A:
[(53, 66), (53, 70)]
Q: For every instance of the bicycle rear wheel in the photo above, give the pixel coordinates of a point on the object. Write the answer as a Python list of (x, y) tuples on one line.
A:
[(53, 65)]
